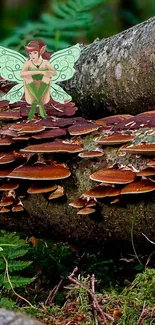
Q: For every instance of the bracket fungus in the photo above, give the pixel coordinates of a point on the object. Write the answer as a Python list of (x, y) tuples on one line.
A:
[(31, 168), (113, 176)]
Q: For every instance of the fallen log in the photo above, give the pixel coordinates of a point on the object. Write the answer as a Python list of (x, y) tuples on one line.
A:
[(116, 75)]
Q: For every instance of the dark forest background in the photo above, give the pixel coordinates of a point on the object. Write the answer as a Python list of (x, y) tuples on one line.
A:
[(64, 22)]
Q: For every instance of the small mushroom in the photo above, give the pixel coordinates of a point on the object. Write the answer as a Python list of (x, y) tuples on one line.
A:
[(151, 163), (78, 204), (113, 176), (86, 211), (91, 154), (4, 210), (5, 141), (6, 201), (147, 172), (99, 191), (34, 189), (18, 207), (143, 149), (140, 186), (49, 134), (6, 158), (57, 193), (115, 139), (112, 120), (115, 200), (9, 116), (91, 203), (83, 128), (5, 172), (9, 186)]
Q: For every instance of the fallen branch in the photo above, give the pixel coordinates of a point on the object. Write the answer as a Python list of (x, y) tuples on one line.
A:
[(94, 306), (104, 315), (53, 292)]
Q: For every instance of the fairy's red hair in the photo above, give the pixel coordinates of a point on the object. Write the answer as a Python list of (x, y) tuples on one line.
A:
[(36, 45)]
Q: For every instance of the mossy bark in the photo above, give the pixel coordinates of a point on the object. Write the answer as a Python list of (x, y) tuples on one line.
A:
[(117, 74)]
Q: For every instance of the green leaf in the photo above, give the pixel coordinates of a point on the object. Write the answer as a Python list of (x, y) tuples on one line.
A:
[(6, 303), (18, 265), (17, 282)]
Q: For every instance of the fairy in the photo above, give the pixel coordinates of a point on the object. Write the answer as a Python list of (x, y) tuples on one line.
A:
[(37, 76)]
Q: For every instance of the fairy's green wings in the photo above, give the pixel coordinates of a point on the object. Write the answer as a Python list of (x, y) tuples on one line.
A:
[(11, 63), (63, 62)]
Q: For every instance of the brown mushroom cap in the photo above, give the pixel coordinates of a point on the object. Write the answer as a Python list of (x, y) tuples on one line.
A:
[(34, 189), (9, 116), (146, 172), (21, 138), (4, 102), (4, 210), (113, 120), (97, 192), (114, 191), (54, 147), (151, 163), (115, 200), (142, 120), (86, 211), (40, 172), (90, 203), (49, 134), (113, 176), (83, 128), (9, 187), (5, 141), (140, 186), (5, 172), (17, 208), (91, 154), (8, 132), (78, 203), (115, 139), (6, 201), (6, 158), (57, 193), (143, 149)]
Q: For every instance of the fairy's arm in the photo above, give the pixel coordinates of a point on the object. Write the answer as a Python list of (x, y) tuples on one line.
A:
[(51, 72), (27, 73)]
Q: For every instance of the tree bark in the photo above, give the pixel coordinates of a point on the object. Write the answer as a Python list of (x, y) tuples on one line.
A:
[(117, 74)]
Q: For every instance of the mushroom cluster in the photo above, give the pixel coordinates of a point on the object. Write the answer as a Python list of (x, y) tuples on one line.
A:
[(133, 135), (32, 154), (30, 151)]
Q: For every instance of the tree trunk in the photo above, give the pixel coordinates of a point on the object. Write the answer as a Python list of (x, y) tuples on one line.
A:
[(117, 74)]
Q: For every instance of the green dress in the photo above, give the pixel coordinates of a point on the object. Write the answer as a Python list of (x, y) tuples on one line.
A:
[(37, 93)]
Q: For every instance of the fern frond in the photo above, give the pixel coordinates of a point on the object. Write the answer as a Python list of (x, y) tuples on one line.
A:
[(18, 252), (17, 281), (18, 265)]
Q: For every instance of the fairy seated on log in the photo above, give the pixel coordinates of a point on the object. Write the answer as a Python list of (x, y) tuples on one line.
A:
[(37, 73), (37, 77)]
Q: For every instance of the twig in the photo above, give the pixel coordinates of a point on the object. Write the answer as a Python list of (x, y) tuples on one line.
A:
[(94, 307), (53, 292), (148, 239), (104, 315)]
